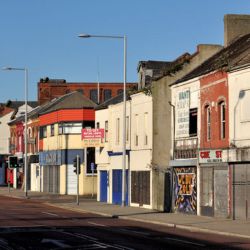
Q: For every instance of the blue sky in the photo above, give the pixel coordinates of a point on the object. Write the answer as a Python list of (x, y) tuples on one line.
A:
[(42, 36)]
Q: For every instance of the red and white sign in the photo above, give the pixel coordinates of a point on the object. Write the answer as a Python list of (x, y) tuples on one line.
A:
[(211, 156), (97, 133), (93, 137)]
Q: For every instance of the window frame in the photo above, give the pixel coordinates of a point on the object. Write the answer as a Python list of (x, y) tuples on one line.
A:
[(208, 123), (222, 106)]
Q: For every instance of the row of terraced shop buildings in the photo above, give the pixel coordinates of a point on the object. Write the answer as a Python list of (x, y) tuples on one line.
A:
[(187, 133)]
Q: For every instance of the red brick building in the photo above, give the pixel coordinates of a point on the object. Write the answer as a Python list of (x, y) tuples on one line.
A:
[(214, 111), (49, 89)]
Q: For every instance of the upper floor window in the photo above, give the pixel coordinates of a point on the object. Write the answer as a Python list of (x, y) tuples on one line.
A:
[(80, 91), (117, 131), (208, 122), (107, 94), (52, 129), (119, 91), (70, 128), (136, 130), (93, 95), (193, 122), (98, 125), (222, 120), (43, 132), (146, 128), (106, 131), (127, 128)]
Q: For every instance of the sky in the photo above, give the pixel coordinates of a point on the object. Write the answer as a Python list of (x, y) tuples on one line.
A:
[(42, 36)]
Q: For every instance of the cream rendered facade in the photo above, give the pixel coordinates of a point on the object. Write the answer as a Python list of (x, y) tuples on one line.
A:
[(4, 133), (138, 142), (69, 142), (102, 158), (141, 143), (239, 112)]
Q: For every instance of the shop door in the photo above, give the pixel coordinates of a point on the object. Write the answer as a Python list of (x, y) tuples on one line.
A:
[(71, 180), (140, 187), (241, 190), (103, 185), (117, 187), (221, 192)]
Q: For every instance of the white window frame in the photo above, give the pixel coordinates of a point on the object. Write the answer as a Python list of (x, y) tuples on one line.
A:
[(222, 120)]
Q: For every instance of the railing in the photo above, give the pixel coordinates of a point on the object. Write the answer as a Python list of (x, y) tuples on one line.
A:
[(185, 148)]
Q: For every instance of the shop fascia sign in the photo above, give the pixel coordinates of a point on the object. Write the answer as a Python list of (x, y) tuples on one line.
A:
[(212, 156), (92, 137)]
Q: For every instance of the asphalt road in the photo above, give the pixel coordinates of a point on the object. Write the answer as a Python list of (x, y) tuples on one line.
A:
[(29, 224)]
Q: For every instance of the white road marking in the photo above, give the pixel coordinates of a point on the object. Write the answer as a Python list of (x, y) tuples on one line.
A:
[(97, 224), (185, 241), (50, 214), (137, 232), (97, 243), (58, 243)]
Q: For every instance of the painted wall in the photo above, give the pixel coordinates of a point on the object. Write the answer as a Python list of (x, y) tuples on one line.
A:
[(162, 119), (4, 133), (239, 112)]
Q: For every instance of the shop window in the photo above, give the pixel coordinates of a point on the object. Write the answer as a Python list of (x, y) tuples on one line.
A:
[(90, 161)]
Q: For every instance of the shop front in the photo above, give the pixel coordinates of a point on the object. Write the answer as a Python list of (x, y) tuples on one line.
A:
[(184, 181), (214, 183)]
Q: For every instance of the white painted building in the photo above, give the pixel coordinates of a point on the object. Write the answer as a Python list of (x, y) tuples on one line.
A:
[(186, 128), (239, 139), (141, 150), (109, 159)]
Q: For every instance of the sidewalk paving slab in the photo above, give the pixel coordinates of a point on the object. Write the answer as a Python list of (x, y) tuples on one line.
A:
[(194, 223)]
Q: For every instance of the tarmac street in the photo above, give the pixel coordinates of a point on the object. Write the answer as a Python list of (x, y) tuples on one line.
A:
[(188, 224)]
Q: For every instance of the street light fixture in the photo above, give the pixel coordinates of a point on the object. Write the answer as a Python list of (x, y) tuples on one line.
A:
[(124, 107), (26, 111)]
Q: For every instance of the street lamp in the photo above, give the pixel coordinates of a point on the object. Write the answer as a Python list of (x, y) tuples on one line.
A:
[(124, 107), (25, 136)]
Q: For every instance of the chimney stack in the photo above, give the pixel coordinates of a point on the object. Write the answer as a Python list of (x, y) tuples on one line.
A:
[(235, 26)]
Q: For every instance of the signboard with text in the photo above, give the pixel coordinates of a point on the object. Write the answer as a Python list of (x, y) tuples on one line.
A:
[(182, 113), (93, 137), (211, 156)]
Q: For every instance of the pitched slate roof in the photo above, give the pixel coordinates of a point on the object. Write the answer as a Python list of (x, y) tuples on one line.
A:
[(17, 104), (73, 100), (112, 101), (235, 55)]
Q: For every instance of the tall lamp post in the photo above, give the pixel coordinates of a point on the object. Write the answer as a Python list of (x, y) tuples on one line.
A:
[(124, 107), (25, 131)]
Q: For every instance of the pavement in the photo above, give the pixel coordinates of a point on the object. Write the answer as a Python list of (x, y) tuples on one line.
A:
[(194, 223)]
